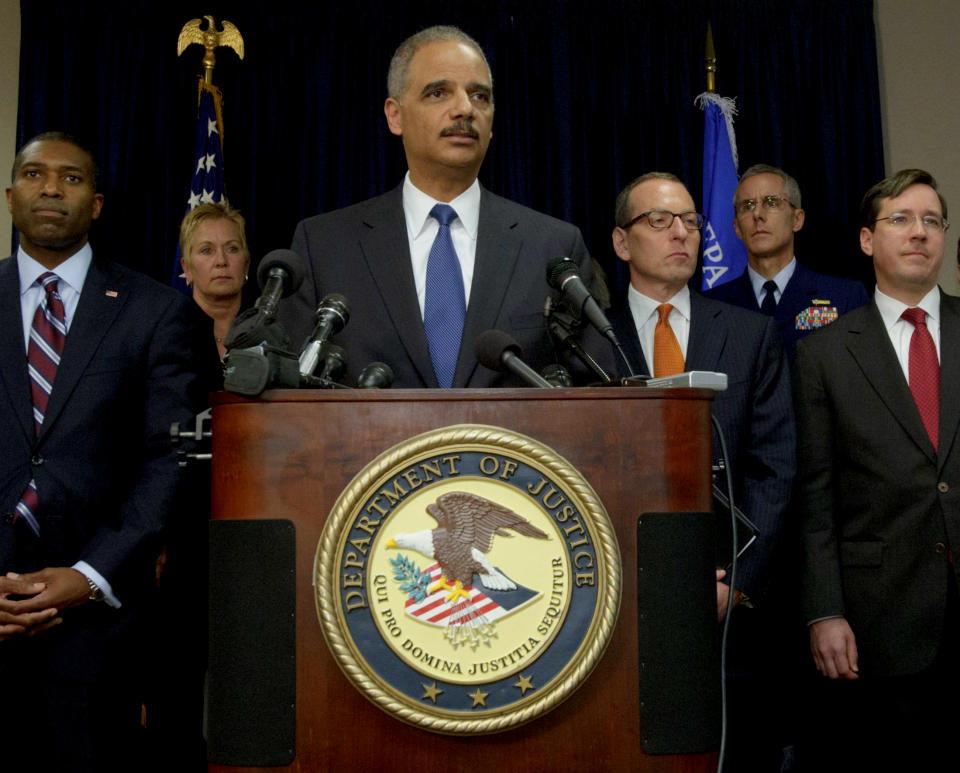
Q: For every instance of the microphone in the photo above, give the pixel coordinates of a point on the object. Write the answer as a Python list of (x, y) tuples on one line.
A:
[(377, 375), (334, 362), (498, 351), (280, 274), (563, 275), (557, 375), (332, 315)]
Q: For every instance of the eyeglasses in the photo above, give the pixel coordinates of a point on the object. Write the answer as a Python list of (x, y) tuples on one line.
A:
[(932, 223), (767, 202), (658, 219)]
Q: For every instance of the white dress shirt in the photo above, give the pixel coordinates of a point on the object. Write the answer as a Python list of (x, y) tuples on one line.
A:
[(422, 230), (645, 316), (901, 331)]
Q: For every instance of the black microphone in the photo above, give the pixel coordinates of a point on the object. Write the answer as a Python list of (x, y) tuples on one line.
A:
[(332, 315), (377, 375), (498, 351), (563, 275), (280, 274), (334, 362), (557, 375)]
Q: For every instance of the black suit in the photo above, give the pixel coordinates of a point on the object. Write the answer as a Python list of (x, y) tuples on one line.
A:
[(880, 512), (106, 477), (363, 252), (755, 412), (809, 301)]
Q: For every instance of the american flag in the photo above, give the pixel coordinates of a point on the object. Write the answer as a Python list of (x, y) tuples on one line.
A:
[(481, 606), (207, 181)]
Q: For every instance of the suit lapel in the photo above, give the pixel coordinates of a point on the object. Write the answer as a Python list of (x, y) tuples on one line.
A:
[(949, 373), (623, 325), (870, 346), (796, 295), (104, 293), (708, 334), (498, 247), (386, 249), (13, 355)]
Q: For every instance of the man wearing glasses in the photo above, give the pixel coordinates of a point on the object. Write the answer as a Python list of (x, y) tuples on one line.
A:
[(667, 328), (879, 495), (767, 214)]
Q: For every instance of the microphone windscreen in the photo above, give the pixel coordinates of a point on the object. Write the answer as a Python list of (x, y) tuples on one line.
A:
[(290, 262), (559, 269), (491, 345)]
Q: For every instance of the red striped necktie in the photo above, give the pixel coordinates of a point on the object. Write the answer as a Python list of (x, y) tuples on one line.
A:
[(47, 335)]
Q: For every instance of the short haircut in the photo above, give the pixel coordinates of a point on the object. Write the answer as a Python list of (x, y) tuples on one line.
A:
[(210, 210), (891, 187), (621, 211), (57, 137), (399, 71), (790, 186)]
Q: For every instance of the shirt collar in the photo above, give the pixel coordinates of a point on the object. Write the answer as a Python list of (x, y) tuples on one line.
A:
[(891, 309), (782, 277), (417, 206), (643, 306), (73, 271)]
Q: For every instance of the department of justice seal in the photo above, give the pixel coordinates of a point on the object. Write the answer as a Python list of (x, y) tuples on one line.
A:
[(468, 580)]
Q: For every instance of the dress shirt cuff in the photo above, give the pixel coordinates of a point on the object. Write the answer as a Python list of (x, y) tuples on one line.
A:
[(825, 617), (98, 579)]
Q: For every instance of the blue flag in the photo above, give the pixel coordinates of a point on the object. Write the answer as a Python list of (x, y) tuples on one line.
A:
[(724, 256), (207, 181)]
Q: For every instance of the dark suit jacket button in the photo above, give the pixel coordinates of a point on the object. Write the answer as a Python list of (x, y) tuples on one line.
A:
[(7, 517), (940, 547), (943, 487), (37, 460)]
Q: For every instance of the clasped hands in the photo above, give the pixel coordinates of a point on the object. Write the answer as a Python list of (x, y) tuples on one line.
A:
[(32, 603)]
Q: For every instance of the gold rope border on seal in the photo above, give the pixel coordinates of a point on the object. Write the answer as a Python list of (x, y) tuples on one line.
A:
[(597, 637)]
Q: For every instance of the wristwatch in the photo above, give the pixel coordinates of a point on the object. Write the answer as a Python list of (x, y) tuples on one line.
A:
[(95, 593)]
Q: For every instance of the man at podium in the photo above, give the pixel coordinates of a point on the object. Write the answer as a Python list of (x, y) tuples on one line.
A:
[(437, 261)]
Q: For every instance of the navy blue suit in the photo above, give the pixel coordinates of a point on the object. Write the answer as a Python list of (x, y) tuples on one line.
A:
[(363, 252), (809, 301), (755, 412), (106, 476)]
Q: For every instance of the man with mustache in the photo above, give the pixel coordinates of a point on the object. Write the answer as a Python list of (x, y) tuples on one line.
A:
[(879, 497), (95, 363), (767, 215), (437, 261)]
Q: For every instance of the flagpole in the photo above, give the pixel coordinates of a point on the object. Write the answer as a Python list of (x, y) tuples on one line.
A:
[(711, 62)]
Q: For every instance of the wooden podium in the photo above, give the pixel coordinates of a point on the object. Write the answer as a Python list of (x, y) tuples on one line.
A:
[(290, 454)]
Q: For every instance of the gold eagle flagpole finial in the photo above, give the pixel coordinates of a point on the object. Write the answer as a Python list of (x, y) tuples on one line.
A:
[(210, 38), (710, 61)]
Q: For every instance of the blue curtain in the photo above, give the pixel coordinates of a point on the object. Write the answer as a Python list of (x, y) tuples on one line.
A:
[(589, 94)]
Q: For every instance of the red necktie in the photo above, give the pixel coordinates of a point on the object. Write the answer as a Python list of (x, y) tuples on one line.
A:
[(924, 370), (47, 336)]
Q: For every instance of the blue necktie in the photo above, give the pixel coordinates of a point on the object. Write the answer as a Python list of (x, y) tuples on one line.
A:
[(445, 306)]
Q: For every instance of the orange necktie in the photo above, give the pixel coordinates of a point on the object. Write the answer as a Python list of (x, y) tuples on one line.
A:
[(667, 357)]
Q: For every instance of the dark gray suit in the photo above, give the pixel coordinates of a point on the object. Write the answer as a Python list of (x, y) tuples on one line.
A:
[(363, 252), (879, 507), (755, 412)]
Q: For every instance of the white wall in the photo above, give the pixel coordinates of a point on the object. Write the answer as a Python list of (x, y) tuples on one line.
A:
[(919, 73), (9, 77)]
